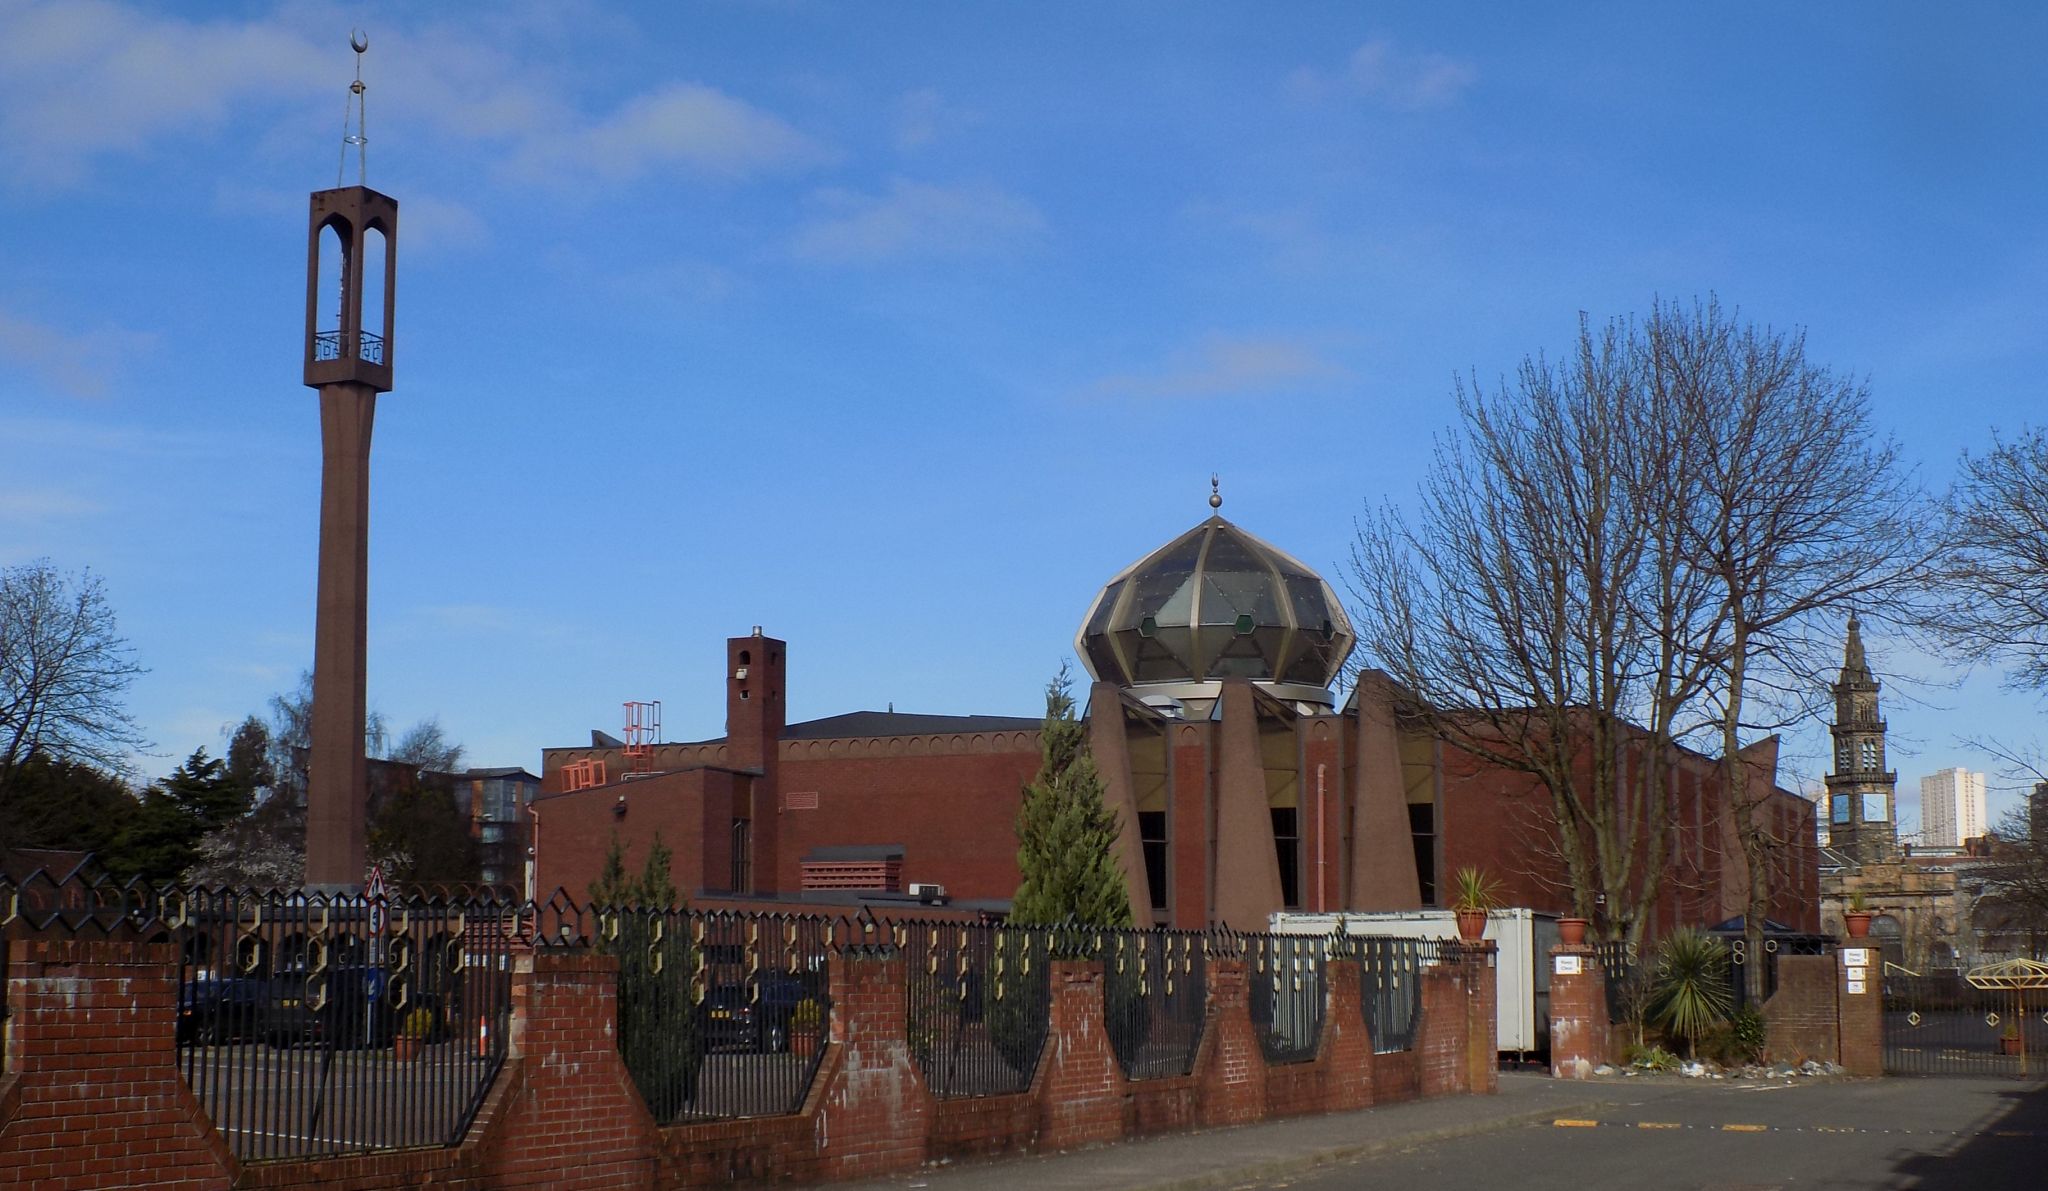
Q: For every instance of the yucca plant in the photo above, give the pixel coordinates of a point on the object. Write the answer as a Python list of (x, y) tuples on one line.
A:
[(1689, 995)]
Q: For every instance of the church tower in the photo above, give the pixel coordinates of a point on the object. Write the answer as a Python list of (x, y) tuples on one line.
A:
[(351, 281), (1862, 825)]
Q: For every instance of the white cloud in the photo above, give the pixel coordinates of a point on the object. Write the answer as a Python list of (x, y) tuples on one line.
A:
[(1229, 365), (684, 125), (1386, 74), (87, 78), (45, 504), (83, 78), (924, 116), (430, 223), (917, 219), (82, 365)]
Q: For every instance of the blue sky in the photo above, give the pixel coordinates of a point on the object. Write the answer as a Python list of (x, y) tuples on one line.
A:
[(897, 329)]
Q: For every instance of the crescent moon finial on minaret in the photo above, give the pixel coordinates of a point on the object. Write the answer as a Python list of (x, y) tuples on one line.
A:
[(358, 40)]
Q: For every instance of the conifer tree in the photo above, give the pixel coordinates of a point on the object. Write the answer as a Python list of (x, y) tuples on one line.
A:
[(1066, 837)]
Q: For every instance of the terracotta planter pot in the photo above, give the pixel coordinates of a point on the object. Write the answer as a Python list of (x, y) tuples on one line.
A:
[(803, 1046), (1858, 922), (2009, 1045), (1572, 931), (1471, 925), (405, 1049)]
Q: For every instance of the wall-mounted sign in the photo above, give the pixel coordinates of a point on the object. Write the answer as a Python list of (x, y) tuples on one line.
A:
[(1855, 985), (1855, 957), (1567, 965)]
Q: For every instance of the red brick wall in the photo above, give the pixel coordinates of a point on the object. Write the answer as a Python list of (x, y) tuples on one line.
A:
[(1232, 1068), (100, 1101), (1801, 1018), (1440, 1034), (1578, 1014), (92, 1096), (1501, 821), (1079, 1086), (1862, 1014)]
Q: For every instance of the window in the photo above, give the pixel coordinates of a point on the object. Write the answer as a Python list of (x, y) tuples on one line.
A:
[(1871, 761), (742, 875), (1839, 811), (1287, 846), (1152, 832), (1875, 810), (1422, 828)]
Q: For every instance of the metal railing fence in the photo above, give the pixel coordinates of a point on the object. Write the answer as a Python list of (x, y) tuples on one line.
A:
[(1155, 998), (1390, 986), (312, 1025), (721, 1014), (1288, 992), (978, 1003), (1626, 978)]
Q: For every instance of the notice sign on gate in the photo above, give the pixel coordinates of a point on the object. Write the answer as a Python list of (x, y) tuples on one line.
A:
[(1856, 966)]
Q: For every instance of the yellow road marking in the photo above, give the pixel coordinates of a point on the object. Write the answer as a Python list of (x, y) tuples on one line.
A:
[(1569, 1123), (1658, 1125), (1745, 1128)]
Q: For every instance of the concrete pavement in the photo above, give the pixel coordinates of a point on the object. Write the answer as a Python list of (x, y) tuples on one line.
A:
[(1574, 1136), (1270, 1150)]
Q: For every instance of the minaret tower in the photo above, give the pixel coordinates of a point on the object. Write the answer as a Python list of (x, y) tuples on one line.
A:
[(349, 363), (1861, 822)]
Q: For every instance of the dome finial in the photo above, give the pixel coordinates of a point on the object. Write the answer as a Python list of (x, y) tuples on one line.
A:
[(1215, 492)]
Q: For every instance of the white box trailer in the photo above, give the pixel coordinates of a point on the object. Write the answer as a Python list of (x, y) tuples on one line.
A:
[(1522, 966)]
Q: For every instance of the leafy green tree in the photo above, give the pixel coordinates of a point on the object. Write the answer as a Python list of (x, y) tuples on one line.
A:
[(421, 838), (66, 805), (162, 841), (249, 756), (1066, 836), (659, 1033)]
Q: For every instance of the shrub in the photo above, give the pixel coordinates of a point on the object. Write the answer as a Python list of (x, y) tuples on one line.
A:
[(1689, 994)]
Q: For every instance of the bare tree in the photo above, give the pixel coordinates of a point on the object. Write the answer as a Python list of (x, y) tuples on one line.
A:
[(426, 746), (1996, 562), (1539, 603), (1657, 532), (1800, 513), (63, 668)]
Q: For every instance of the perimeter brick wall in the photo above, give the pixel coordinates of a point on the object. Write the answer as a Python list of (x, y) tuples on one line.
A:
[(92, 1097)]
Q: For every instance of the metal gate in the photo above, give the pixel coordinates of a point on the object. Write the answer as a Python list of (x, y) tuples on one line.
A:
[(1991, 1021)]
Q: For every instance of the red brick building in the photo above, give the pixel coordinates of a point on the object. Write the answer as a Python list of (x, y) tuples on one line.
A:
[(1242, 786)]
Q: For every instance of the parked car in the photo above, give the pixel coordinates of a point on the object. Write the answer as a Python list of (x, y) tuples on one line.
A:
[(357, 1010), (217, 1009), (736, 1018)]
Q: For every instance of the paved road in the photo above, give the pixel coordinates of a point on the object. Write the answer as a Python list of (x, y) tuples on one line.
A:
[(1894, 1133)]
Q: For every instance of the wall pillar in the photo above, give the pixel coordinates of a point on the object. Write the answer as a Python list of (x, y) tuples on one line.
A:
[(1861, 992), (1579, 1032), (564, 1037), (1080, 1084), (1347, 1044), (1440, 1035), (96, 1099), (1232, 1077), (875, 1117)]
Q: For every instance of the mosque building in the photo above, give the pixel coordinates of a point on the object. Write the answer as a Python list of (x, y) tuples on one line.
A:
[(1243, 785)]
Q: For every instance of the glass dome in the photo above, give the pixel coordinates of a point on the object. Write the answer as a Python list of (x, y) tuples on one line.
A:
[(1216, 603)]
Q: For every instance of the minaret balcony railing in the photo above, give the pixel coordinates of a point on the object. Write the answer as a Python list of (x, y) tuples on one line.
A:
[(327, 345)]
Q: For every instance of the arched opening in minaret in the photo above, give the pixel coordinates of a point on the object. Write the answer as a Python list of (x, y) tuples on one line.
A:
[(371, 324), (329, 272)]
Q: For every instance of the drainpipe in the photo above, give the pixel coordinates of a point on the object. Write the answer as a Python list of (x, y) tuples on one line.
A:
[(1322, 840)]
